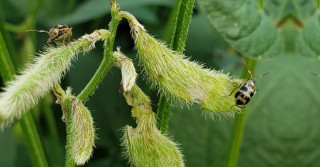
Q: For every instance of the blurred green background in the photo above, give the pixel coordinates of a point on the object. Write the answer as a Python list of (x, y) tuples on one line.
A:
[(283, 117)]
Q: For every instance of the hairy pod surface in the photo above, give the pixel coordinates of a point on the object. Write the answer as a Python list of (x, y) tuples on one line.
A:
[(80, 128), (177, 76), (144, 145)]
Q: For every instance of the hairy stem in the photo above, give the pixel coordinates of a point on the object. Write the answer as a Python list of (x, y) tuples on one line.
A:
[(163, 113), (107, 61), (239, 124), (181, 27), (69, 161), (179, 37)]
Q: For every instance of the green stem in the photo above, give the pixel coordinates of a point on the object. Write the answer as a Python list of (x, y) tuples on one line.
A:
[(182, 21), (107, 61), (66, 104), (53, 131), (163, 114), (33, 141), (7, 38), (167, 35), (178, 42), (67, 107), (27, 123), (239, 124), (6, 67)]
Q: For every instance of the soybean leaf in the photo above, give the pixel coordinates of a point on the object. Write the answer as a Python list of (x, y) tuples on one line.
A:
[(244, 27), (280, 27), (279, 9), (309, 43)]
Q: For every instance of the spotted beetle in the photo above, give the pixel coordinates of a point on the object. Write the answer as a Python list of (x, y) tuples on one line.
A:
[(58, 32), (246, 90)]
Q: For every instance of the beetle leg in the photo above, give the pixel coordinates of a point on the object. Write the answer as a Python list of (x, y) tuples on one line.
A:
[(49, 44), (237, 106), (235, 89), (232, 106)]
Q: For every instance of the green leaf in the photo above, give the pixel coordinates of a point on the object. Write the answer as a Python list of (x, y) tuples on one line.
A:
[(279, 9), (244, 27), (309, 44), (281, 126), (251, 32)]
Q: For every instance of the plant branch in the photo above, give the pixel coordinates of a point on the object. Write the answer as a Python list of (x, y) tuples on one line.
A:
[(239, 124), (6, 66), (67, 107), (33, 141), (179, 37), (107, 61), (182, 21)]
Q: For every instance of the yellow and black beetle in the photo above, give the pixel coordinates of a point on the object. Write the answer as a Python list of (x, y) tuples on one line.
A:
[(246, 90)]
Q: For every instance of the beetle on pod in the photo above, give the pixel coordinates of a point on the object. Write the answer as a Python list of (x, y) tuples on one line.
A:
[(246, 90)]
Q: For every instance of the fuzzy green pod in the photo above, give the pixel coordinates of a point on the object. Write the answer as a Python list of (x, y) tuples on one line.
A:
[(144, 145), (177, 76), (80, 127), (40, 76), (83, 133)]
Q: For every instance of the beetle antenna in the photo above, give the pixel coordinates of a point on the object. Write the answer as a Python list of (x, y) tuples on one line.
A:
[(39, 31), (249, 71), (259, 76), (315, 74)]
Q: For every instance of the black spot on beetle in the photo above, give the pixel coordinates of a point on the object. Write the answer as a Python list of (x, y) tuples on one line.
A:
[(251, 94), (239, 102), (238, 94), (244, 88), (247, 99)]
